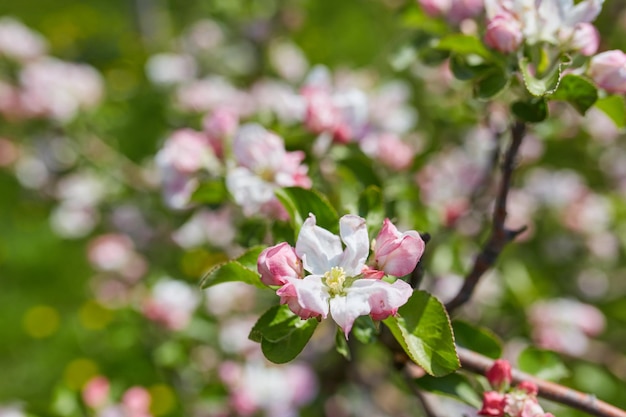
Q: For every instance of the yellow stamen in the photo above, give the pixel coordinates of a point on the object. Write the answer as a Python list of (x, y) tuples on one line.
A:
[(335, 280)]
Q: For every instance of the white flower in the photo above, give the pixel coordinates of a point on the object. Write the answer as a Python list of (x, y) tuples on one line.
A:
[(336, 284)]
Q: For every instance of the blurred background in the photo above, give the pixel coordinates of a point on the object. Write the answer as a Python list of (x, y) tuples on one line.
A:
[(100, 308)]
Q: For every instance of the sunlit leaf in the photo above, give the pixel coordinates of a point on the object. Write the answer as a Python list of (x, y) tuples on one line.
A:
[(423, 329), (614, 107), (287, 348), (544, 86), (478, 339), (242, 269), (577, 91), (299, 202)]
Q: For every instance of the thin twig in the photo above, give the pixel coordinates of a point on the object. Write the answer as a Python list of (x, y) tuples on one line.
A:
[(500, 236), (477, 363)]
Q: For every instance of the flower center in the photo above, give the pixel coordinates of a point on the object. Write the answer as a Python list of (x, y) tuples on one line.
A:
[(335, 280)]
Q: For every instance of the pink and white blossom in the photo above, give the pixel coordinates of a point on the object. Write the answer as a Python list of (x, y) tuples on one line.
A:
[(19, 42), (262, 165), (551, 21), (336, 284), (171, 303)]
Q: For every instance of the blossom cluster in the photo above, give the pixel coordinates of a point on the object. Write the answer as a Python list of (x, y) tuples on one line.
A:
[(340, 280), (42, 86), (519, 401)]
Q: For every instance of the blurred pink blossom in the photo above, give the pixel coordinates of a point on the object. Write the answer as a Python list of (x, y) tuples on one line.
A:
[(263, 164), (57, 89), (19, 42), (169, 68), (388, 149), (96, 392), (608, 70), (565, 325), (504, 33), (171, 303), (455, 11), (276, 391)]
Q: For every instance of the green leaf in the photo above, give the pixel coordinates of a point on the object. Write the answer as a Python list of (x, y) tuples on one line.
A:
[(540, 87), (341, 344), (464, 45), (613, 106), (415, 18), (242, 269), (364, 330), (210, 192), (464, 71), (454, 385), (543, 364), (371, 208), (492, 83), (478, 339), (275, 324), (286, 349), (423, 329), (577, 91), (299, 202), (361, 167), (532, 111)]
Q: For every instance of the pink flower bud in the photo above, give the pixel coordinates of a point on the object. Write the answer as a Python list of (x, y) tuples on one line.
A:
[(397, 253), (278, 263), (608, 71), (585, 39), (504, 33), (493, 404), (530, 387), (499, 375)]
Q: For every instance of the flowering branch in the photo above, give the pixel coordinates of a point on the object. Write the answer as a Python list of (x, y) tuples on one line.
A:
[(477, 363), (500, 235)]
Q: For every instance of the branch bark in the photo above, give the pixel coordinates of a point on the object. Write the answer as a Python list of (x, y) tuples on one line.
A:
[(477, 363), (499, 236)]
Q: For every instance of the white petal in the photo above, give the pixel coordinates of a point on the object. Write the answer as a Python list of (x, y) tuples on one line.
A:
[(319, 249), (345, 310), (353, 231), (383, 298), (312, 294), (586, 12)]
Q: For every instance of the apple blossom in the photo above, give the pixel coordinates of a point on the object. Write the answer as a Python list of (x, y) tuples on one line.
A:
[(608, 71), (397, 253), (337, 283), (263, 164), (549, 21)]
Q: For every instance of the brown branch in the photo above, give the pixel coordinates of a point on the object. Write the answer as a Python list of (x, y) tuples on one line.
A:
[(477, 363), (499, 236)]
